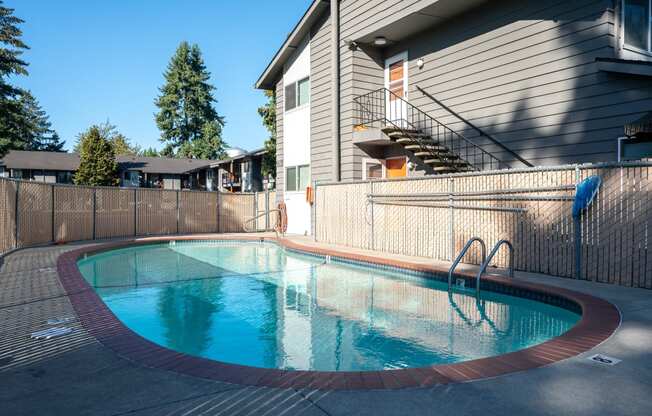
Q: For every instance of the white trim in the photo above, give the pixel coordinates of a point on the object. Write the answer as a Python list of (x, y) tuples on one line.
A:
[(621, 29), (392, 59), (369, 160)]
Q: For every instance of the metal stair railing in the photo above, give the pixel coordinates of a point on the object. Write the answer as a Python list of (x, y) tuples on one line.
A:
[(388, 109), (485, 263), (476, 128), (459, 257)]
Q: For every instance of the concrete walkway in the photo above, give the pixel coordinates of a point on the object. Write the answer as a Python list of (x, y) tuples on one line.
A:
[(75, 375)]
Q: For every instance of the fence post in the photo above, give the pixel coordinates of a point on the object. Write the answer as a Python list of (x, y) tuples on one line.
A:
[(255, 210), (371, 203), (266, 208), (94, 209), (135, 213), (218, 209), (313, 212), (178, 208), (451, 231), (16, 215), (52, 214)]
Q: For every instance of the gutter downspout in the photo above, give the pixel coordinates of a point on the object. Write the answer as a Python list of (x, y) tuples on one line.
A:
[(335, 89)]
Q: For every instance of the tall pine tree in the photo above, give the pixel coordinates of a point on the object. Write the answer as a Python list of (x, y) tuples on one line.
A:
[(187, 119), (36, 130), (97, 164), (268, 114), (12, 114)]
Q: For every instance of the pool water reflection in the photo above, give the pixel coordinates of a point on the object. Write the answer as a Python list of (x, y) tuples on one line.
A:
[(256, 304)]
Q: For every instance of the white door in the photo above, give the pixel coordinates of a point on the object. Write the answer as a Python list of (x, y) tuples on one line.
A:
[(396, 82)]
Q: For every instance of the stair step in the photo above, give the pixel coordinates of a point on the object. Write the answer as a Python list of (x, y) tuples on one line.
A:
[(419, 147), (409, 141), (445, 162), (439, 154), (394, 130)]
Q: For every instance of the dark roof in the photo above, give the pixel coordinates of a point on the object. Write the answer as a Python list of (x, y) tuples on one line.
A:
[(161, 164), (253, 153), (21, 159)]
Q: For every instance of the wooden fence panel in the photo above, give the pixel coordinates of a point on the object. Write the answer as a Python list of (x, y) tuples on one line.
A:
[(198, 212), (34, 214), (7, 215), (156, 211), (235, 209), (114, 212), (73, 213)]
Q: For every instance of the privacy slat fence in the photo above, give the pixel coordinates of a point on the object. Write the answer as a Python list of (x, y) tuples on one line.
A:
[(532, 208), (33, 213)]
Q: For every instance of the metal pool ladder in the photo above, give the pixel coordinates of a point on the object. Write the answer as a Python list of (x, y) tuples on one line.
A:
[(486, 262), (461, 255)]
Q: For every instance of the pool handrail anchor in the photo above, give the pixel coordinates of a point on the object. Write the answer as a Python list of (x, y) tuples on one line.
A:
[(485, 263), (462, 254)]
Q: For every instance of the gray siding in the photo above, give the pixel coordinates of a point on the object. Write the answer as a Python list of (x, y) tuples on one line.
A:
[(320, 102), (525, 72), (280, 171), (361, 72)]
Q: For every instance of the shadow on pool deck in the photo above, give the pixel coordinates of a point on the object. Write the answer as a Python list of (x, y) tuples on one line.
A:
[(75, 375)]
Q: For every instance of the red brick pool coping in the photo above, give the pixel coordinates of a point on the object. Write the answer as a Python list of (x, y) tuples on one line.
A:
[(599, 320)]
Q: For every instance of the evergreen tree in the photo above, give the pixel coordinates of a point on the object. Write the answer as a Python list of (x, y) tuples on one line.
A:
[(188, 122), (35, 129), (268, 113), (121, 144), (149, 152), (52, 143), (12, 115), (97, 166)]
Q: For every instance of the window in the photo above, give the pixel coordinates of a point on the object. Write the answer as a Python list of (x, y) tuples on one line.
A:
[(297, 94), (637, 19), (303, 91), (373, 169), (634, 148), (297, 178), (291, 179)]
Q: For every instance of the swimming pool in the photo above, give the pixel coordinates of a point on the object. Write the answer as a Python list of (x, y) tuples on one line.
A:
[(257, 304)]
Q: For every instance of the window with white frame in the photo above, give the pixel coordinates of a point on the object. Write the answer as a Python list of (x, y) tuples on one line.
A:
[(637, 23), (297, 94), (297, 178), (373, 169)]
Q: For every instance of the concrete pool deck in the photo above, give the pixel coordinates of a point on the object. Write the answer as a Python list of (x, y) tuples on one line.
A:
[(75, 374)]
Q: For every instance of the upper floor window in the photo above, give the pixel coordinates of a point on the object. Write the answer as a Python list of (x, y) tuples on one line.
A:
[(297, 94), (637, 19)]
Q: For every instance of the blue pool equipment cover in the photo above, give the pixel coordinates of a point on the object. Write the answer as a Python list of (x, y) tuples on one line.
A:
[(584, 194)]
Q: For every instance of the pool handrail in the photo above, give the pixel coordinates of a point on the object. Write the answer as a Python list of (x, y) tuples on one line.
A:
[(485, 263), (461, 255)]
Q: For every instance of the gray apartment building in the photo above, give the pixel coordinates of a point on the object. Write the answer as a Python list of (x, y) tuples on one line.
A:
[(391, 88)]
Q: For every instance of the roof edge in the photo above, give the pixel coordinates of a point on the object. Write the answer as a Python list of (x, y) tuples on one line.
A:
[(267, 79)]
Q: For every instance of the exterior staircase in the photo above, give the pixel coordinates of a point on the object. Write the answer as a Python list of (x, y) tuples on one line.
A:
[(441, 149), (424, 147)]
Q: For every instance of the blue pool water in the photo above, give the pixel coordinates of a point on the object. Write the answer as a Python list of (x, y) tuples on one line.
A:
[(259, 305)]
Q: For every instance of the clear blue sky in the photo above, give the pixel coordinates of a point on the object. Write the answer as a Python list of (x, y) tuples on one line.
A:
[(96, 60)]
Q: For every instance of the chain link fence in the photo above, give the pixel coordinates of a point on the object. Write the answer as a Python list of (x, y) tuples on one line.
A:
[(33, 213), (435, 216)]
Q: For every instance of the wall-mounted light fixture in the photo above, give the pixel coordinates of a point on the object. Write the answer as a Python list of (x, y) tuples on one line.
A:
[(420, 63), (353, 45), (380, 41)]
